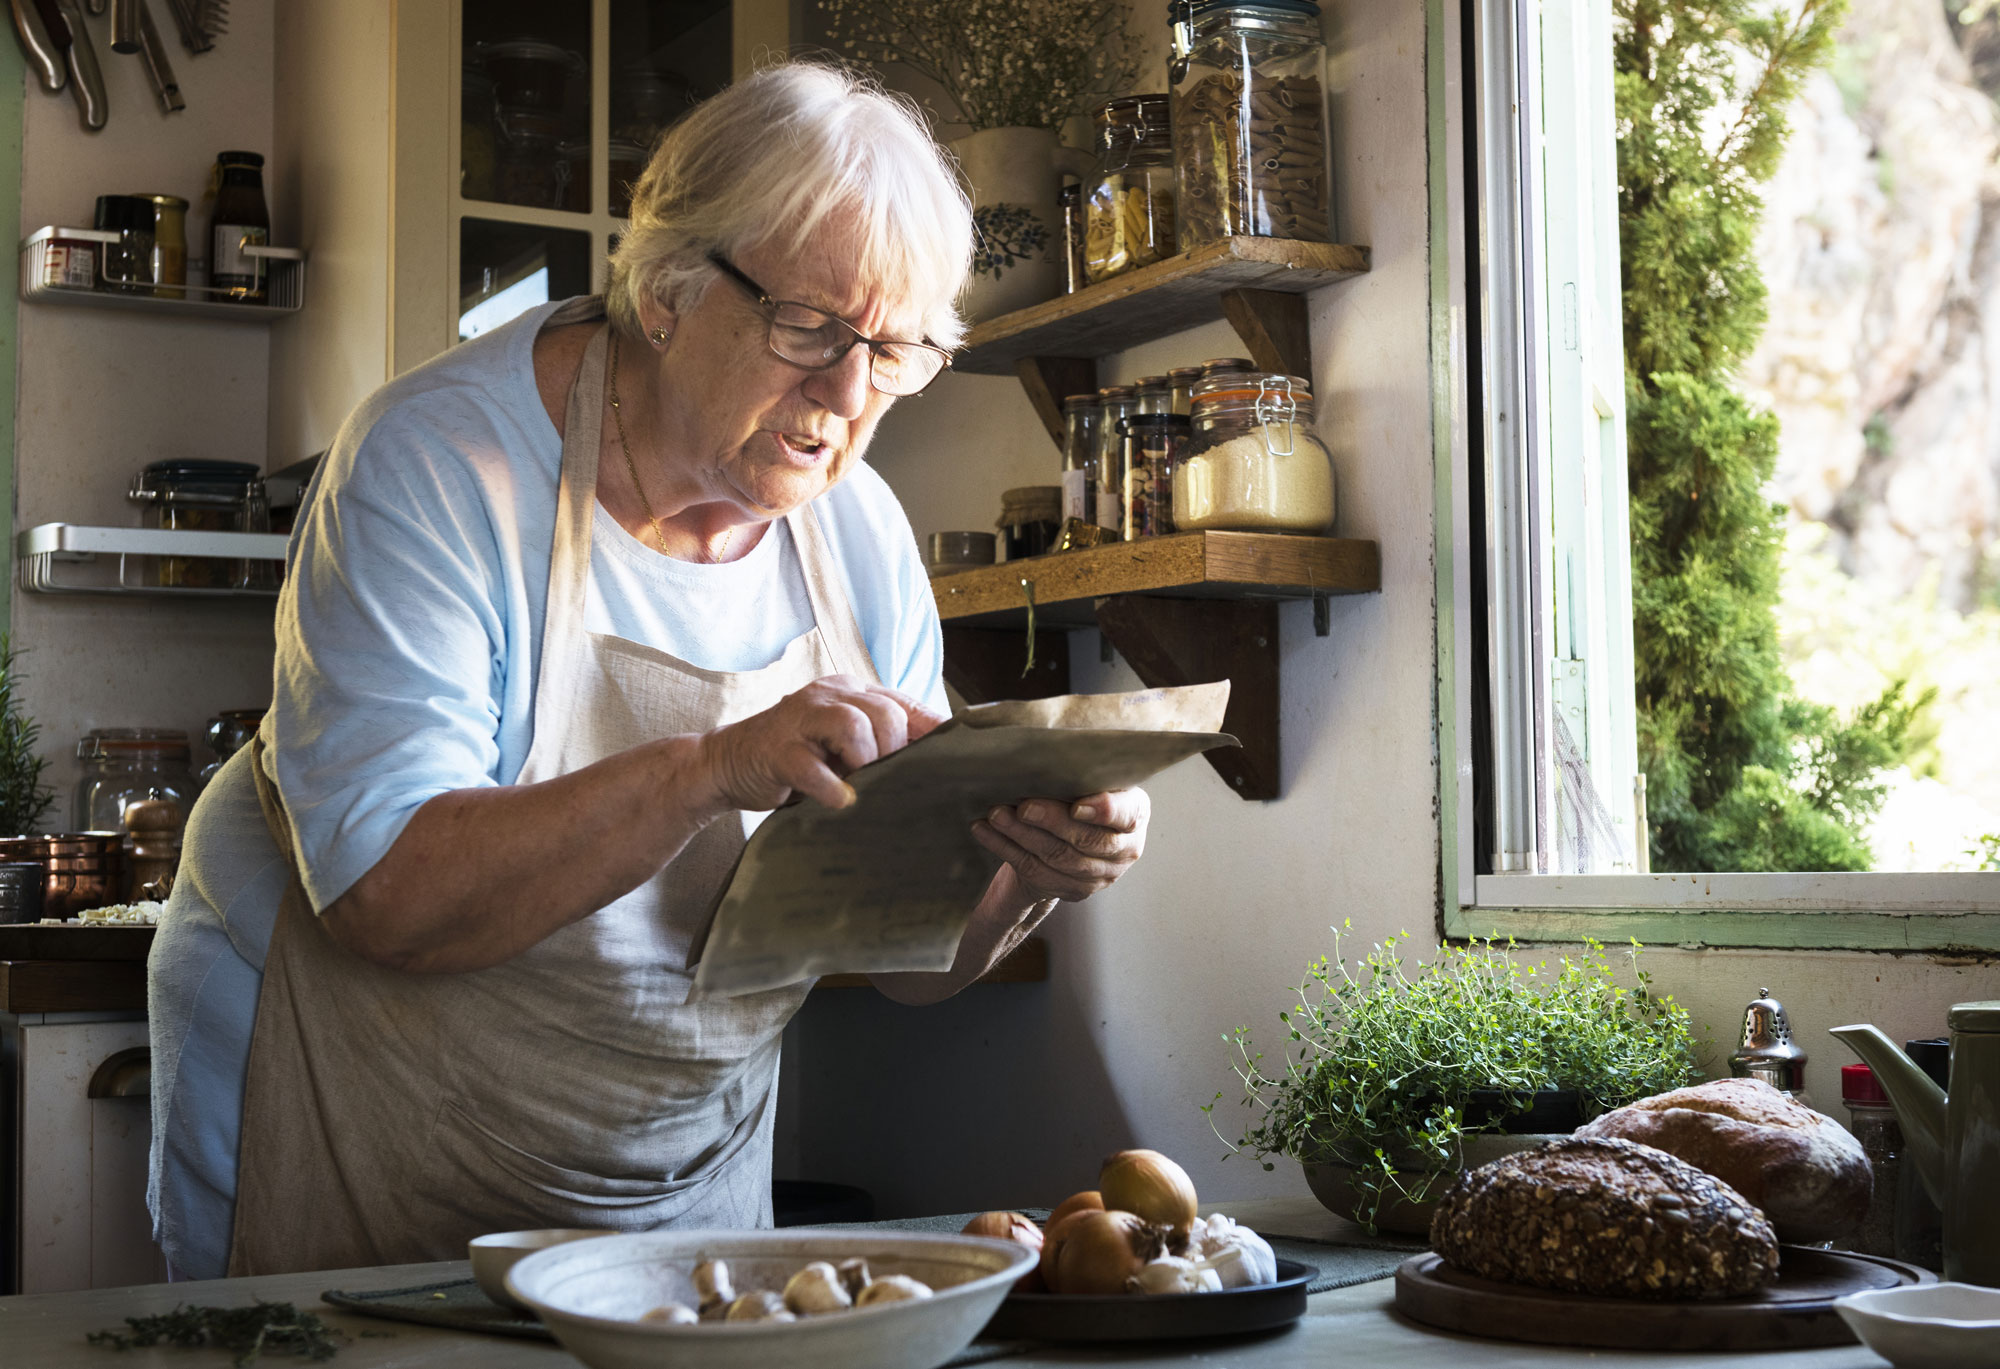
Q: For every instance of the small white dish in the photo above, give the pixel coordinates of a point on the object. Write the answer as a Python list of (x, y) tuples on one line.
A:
[(1927, 1326), (593, 1295), (492, 1256)]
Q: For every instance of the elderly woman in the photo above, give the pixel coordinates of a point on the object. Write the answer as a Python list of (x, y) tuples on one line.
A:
[(568, 603)]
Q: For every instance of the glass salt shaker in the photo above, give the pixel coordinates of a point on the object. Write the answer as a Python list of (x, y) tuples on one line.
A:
[(1874, 1125)]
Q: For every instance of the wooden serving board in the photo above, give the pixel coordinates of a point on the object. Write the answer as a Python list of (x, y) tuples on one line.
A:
[(1795, 1312), (29, 941)]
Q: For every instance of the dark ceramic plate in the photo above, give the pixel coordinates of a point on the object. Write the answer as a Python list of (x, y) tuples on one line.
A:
[(1156, 1316)]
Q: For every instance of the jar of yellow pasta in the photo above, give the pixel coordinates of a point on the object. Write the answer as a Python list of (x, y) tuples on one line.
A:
[(1254, 462), (1129, 201)]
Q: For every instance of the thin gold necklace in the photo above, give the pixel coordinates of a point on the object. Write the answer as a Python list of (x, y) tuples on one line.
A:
[(618, 417)]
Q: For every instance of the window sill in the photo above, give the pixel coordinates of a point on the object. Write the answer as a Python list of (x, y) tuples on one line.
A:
[(1953, 913)]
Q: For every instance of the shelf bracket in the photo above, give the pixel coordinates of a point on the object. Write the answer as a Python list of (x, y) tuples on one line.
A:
[(1199, 641), (986, 665), (1048, 381), (1273, 328)]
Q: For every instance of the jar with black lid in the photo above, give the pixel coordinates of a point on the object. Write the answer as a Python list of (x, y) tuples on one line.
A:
[(240, 219), (128, 263), (203, 496), (1153, 443)]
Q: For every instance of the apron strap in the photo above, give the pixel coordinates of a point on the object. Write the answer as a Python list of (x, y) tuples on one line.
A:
[(832, 609)]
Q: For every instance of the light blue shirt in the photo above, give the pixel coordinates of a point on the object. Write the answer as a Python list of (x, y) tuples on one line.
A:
[(408, 645)]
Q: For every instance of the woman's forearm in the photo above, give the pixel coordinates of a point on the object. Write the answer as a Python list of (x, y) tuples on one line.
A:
[(1004, 917), (480, 875)]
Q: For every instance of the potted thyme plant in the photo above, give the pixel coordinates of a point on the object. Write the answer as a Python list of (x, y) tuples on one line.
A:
[(23, 796), (1396, 1076), (1014, 72)]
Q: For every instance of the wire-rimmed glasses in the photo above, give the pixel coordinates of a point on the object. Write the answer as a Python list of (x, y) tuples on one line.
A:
[(817, 340)]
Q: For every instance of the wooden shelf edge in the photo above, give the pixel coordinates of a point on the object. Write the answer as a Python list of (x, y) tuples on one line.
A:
[(1208, 564), (1113, 306), (1027, 963), (72, 986)]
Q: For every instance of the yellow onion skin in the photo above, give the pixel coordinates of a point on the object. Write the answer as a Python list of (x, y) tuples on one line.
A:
[(1090, 1200), (1012, 1226), (1149, 1184), (1096, 1253)]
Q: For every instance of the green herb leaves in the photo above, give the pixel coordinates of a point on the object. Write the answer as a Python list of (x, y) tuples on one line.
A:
[(245, 1332)]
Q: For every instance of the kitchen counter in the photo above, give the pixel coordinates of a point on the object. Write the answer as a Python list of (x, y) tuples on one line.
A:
[(1352, 1326)]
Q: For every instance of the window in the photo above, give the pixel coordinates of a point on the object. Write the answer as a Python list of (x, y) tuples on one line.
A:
[(1547, 802)]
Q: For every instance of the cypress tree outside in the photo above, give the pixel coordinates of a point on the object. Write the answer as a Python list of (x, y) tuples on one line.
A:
[(1740, 774)]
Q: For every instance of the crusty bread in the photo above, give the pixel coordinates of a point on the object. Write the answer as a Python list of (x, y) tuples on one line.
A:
[(1811, 1178), (1606, 1217)]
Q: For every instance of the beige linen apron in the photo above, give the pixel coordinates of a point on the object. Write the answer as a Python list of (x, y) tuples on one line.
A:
[(389, 1116)]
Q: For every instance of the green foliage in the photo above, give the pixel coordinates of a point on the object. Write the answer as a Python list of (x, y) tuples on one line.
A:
[(23, 796), (1739, 775), (1384, 1057), (244, 1333)]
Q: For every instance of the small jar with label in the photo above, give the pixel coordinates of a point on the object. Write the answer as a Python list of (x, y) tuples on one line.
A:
[(1030, 520), (1129, 202), (126, 264), (1153, 442), (169, 273), (241, 219), (1254, 462), (1115, 403), (1080, 457)]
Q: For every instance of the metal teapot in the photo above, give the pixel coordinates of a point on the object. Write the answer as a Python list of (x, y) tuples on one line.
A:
[(1955, 1138)]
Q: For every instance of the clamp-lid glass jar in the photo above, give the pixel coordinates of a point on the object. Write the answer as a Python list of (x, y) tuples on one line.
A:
[(1129, 201), (1249, 120), (1254, 463), (127, 765)]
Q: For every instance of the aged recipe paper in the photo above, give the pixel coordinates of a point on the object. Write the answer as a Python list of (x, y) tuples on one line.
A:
[(889, 882)]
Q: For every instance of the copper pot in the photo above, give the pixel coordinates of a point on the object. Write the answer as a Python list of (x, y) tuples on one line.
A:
[(85, 869)]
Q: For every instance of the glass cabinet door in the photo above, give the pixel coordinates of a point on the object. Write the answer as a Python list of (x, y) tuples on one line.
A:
[(560, 105)]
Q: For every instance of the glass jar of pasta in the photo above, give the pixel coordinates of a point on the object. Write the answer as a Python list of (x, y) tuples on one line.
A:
[(1249, 120), (1254, 462), (1129, 201)]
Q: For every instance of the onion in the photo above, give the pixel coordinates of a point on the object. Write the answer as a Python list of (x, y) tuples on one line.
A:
[(1147, 1183), (1090, 1200), (1011, 1226), (1098, 1252)]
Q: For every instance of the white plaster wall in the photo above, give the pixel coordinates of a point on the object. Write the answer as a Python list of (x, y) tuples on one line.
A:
[(102, 393)]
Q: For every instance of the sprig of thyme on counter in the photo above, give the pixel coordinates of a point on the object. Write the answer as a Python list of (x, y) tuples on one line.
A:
[(245, 1332)]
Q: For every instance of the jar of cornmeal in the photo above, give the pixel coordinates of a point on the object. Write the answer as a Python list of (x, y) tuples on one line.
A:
[(1254, 462)]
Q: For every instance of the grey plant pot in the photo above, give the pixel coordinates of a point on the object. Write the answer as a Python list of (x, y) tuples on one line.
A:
[(1333, 1184)]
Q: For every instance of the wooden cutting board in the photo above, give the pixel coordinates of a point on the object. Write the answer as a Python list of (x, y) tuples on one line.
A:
[(1794, 1312), (29, 941)]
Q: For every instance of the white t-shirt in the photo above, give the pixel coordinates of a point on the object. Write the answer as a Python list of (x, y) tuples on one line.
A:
[(408, 645)]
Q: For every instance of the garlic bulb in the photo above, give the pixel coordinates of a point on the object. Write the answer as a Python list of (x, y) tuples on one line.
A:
[(854, 1276), (1238, 1255), (816, 1288), (893, 1288), (1096, 1252), (763, 1305), (1173, 1274), (673, 1314), (1149, 1184)]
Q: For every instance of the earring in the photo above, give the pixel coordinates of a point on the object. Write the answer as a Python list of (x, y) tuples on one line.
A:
[(659, 337)]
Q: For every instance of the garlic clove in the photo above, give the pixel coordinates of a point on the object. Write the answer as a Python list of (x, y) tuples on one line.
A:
[(1207, 1281), (762, 1305), (672, 1314), (893, 1288), (816, 1289), (854, 1276), (712, 1285), (1168, 1274)]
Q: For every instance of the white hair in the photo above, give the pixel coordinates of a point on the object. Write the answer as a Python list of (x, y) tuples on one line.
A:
[(772, 158)]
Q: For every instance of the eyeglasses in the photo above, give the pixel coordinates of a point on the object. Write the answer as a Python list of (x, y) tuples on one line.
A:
[(817, 340)]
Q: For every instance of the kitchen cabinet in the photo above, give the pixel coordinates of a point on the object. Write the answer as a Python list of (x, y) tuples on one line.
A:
[(503, 133), (1190, 608)]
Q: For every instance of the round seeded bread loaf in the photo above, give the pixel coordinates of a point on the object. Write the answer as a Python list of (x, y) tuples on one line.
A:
[(1811, 1178), (1608, 1217)]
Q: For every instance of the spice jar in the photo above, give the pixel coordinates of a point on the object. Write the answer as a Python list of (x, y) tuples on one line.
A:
[(1030, 520), (1153, 443), (1254, 462), (169, 265), (1114, 404), (1153, 395), (240, 219), (1180, 389), (1874, 1125), (127, 263), (1249, 120), (1081, 458), (1129, 203)]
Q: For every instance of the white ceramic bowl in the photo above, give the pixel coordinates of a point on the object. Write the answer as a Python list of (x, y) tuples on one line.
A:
[(492, 1256), (592, 1294), (1927, 1326)]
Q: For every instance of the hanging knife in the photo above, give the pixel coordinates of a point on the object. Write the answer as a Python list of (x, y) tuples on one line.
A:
[(43, 55), (157, 65), (86, 78)]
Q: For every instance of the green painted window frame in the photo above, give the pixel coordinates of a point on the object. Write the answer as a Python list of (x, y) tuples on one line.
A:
[(1952, 913)]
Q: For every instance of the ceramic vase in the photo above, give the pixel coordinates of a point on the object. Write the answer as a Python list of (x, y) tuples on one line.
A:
[(1014, 175)]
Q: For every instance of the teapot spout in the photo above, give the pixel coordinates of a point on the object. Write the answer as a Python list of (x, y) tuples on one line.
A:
[(1919, 1103)]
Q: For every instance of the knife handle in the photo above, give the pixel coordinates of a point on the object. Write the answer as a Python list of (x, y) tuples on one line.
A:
[(86, 78), (157, 66), (42, 55)]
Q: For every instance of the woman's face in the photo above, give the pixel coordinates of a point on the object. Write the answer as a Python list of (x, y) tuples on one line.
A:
[(747, 427)]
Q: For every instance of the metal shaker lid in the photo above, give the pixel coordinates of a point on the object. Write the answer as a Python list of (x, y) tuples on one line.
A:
[(1766, 1050)]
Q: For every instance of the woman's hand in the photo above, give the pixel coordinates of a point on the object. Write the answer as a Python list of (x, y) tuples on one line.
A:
[(1068, 851), (808, 742)]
